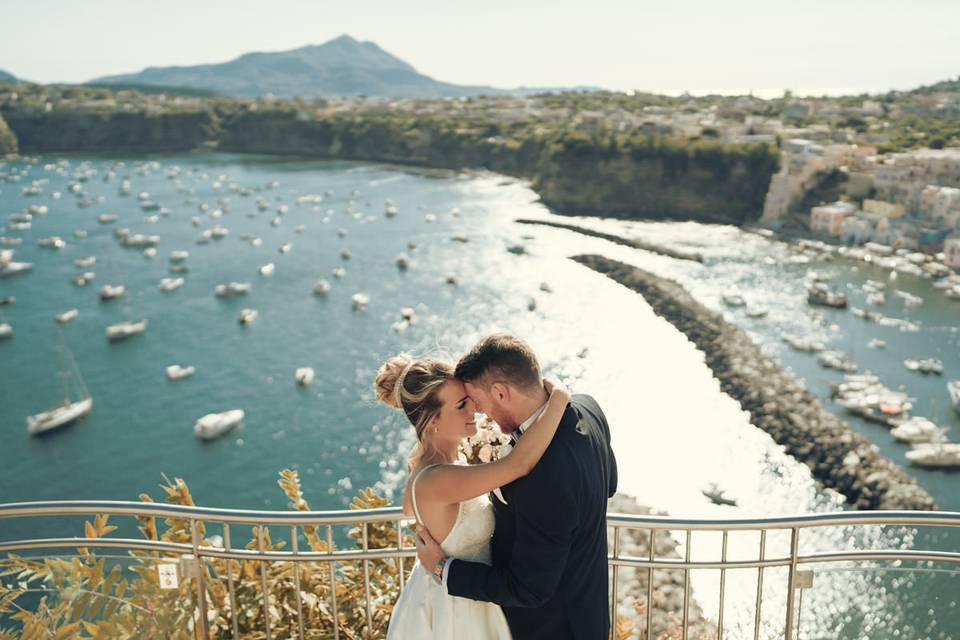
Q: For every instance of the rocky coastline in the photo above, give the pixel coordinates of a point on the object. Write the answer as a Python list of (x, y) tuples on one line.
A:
[(838, 456), (628, 242)]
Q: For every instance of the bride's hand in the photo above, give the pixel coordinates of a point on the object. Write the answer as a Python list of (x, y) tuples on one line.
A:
[(555, 388)]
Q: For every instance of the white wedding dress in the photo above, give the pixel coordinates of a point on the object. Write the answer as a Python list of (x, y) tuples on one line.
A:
[(425, 611)]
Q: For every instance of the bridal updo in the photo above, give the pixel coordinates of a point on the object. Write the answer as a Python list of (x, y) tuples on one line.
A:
[(411, 386)]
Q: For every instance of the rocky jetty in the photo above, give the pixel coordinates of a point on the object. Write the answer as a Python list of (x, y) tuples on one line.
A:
[(837, 455), (629, 242)]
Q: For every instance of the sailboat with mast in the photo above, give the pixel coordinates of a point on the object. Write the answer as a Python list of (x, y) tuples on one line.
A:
[(69, 410)]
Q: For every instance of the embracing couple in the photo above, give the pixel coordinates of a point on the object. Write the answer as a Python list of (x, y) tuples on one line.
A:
[(529, 560)]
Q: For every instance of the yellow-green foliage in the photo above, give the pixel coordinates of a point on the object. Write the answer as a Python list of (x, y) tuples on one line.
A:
[(85, 596)]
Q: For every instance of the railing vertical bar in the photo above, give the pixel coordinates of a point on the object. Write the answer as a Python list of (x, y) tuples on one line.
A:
[(200, 579), (686, 586), (653, 541), (366, 583), (723, 584), (400, 557), (263, 584), (616, 579), (791, 592), (295, 547), (233, 592), (799, 613), (756, 617), (333, 585)]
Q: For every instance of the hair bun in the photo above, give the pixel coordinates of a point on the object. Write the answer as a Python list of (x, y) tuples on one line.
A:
[(389, 376)]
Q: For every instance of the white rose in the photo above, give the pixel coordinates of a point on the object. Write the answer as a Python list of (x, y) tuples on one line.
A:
[(486, 453), (504, 450)]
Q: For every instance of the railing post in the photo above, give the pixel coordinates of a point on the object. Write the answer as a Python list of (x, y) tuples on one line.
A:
[(791, 590), (296, 579), (686, 585), (263, 583), (756, 617), (616, 576), (333, 585), (652, 554), (200, 580), (233, 593), (723, 583)]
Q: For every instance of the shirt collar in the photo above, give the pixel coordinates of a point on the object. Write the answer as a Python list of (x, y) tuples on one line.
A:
[(529, 421)]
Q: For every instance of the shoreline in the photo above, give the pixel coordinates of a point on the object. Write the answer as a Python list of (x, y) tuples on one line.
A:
[(838, 456)]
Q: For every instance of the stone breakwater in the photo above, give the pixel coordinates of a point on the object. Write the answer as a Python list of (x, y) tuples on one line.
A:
[(837, 455), (629, 242)]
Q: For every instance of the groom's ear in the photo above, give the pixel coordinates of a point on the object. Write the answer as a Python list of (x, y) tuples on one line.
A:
[(500, 391)]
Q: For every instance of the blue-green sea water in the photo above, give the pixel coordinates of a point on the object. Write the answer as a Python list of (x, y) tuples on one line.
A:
[(673, 430)]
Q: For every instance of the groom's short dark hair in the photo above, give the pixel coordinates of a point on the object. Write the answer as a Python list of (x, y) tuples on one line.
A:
[(500, 357)]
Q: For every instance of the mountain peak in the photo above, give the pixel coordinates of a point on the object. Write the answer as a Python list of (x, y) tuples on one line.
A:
[(343, 66)]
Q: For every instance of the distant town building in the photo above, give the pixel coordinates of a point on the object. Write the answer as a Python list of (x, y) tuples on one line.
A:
[(951, 250), (829, 218)]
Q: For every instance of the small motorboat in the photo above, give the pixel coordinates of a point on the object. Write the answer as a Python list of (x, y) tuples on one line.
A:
[(821, 295), (756, 312), (360, 301), (402, 261), (66, 316), (110, 292), (322, 288), (6, 331), (176, 372), (733, 300), (877, 343), (935, 454), (83, 263), (837, 360), (267, 269), (124, 330), (799, 343), (925, 366), (232, 289), (918, 429), (179, 255), (214, 425), (171, 284), (304, 376), (248, 316)]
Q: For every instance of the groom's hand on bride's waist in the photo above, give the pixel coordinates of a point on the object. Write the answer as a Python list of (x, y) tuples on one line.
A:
[(431, 555)]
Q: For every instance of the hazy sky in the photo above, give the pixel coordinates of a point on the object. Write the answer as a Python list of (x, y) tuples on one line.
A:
[(665, 45)]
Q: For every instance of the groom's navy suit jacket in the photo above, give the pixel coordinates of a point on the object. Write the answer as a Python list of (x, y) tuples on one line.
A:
[(549, 568)]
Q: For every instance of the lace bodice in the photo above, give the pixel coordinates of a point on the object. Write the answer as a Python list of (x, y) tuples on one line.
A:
[(469, 539)]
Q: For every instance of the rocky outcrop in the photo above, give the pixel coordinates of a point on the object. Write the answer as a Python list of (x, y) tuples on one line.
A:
[(628, 242), (8, 141), (837, 455)]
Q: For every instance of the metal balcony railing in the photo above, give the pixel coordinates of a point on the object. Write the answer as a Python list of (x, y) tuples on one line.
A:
[(197, 550)]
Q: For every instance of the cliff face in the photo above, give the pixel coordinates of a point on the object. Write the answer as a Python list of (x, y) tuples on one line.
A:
[(92, 131), (631, 177), (601, 174), (8, 141)]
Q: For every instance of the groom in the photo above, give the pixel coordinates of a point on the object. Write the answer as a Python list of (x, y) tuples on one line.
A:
[(549, 570)]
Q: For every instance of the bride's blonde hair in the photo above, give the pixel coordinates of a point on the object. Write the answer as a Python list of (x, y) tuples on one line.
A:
[(411, 386)]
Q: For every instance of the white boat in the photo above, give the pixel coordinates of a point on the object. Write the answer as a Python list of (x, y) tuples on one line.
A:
[(109, 291), (286, 247), (339, 272), (171, 284), (248, 316), (877, 343), (6, 331), (68, 410), (917, 429), (214, 425), (756, 312), (176, 372), (83, 279), (322, 288), (83, 263), (402, 261), (106, 218), (123, 330), (360, 301), (801, 343), (304, 376), (935, 454), (53, 242), (925, 366), (267, 269), (953, 388), (67, 316), (179, 256), (733, 300), (837, 360), (14, 268), (231, 289), (140, 240)]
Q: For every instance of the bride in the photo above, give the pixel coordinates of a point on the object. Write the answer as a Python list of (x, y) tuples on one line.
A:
[(448, 497)]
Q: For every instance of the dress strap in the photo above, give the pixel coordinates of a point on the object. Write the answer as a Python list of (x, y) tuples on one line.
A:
[(413, 492)]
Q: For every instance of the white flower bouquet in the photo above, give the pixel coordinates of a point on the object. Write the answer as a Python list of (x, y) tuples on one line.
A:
[(487, 445)]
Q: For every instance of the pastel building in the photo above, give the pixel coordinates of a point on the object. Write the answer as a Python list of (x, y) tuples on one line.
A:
[(829, 218), (951, 251)]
